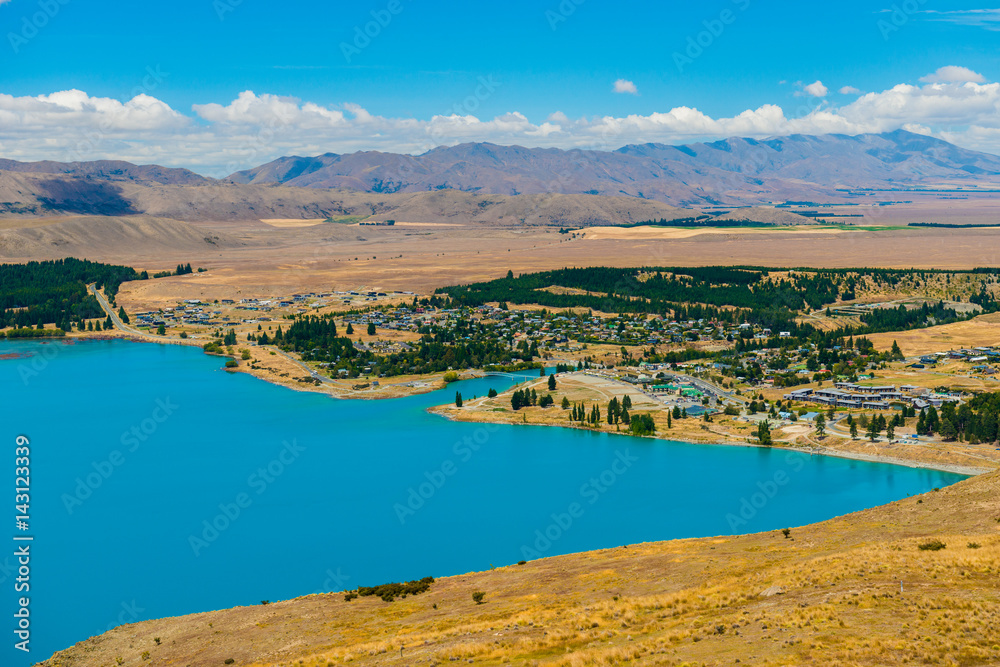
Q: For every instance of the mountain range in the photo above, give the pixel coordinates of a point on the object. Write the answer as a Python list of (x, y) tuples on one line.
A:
[(736, 171), (509, 184)]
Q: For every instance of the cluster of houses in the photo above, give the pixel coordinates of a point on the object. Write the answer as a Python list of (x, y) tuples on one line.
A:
[(982, 356), (851, 395)]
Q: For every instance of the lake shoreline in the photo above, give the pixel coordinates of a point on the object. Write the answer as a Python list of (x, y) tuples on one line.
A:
[(970, 471)]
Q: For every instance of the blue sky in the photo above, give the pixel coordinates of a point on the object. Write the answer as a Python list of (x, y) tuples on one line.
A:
[(432, 59)]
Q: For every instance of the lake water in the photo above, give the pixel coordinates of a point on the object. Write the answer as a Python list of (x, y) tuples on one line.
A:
[(163, 485)]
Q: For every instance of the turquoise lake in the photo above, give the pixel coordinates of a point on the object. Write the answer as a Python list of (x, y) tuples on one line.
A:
[(163, 485)]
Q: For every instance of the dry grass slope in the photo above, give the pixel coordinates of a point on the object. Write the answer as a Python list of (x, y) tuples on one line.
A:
[(827, 594)]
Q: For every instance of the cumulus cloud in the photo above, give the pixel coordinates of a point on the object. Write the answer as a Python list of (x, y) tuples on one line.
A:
[(626, 86), (953, 74), (220, 138), (815, 89), (850, 90)]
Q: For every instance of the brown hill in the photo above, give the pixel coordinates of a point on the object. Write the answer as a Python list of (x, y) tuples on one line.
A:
[(29, 194), (136, 236)]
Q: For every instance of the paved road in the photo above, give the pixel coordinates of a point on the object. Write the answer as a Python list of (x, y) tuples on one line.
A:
[(117, 320)]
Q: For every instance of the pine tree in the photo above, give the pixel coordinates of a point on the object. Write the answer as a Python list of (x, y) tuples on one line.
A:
[(670, 423), (820, 425), (122, 315), (458, 399), (552, 382), (565, 403)]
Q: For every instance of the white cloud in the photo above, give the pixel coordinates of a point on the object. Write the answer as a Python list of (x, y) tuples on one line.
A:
[(815, 89), (217, 139), (953, 74), (978, 18), (626, 86), (849, 90)]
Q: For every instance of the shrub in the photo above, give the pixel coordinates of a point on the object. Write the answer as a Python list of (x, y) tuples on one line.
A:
[(389, 592), (787, 532), (478, 596), (973, 545), (521, 562), (229, 661), (451, 376), (933, 545), (231, 363)]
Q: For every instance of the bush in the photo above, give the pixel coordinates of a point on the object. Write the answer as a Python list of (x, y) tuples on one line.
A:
[(478, 596), (451, 376), (231, 363), (973, 545), (389, 592), (933, 545)]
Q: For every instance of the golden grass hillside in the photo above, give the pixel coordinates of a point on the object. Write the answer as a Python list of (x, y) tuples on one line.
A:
[(855, 590)]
